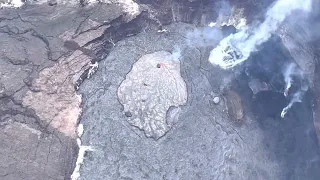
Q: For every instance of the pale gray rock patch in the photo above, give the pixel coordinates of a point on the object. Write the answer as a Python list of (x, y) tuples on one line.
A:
[(256, 86), (153, 85)]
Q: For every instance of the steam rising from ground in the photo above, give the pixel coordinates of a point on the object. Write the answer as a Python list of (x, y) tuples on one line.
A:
[(225, 11), (296, 98), (288, 78), (289, 73), (176, 53), (228, 15), (204, 37), (236, 48)]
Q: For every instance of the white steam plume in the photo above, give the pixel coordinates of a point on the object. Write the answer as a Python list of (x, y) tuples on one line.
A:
[(297, 97), (176, 53), (204, 37), (290, 71), (225, 11), (288, 78), (236, 48)]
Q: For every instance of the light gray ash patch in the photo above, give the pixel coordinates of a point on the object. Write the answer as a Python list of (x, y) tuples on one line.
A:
[(256, 86), (152, 86)]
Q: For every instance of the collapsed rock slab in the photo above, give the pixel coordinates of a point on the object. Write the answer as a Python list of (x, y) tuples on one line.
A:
[(256, 86), (54, 98), (234, 105), (153, 85)]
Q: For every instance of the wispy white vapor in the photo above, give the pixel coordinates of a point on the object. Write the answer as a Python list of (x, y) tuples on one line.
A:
[(225, 11), (236, 48), (176, 53), (204, 36), (297, 97), (289, 71)]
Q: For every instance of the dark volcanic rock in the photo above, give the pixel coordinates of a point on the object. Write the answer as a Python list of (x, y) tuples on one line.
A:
[(204, 142), (39, 107), (52, 2), (48, 51)]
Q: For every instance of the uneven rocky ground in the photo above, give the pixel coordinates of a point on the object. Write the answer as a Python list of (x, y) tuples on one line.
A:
[(50, 49), (39, 73)]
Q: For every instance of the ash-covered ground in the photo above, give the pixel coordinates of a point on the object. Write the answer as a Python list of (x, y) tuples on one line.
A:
[(124, 90)]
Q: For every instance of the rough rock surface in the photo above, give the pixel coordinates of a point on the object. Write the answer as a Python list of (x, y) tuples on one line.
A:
[(234, 105), (316, 91), (27, 153), (256, 86), (49, 48), (53, 94), (153, 85), (294, 38), (39, 107), (204, 143)]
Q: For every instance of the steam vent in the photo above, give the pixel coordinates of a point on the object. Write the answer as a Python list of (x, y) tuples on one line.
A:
[(153, 85), (159, 90)]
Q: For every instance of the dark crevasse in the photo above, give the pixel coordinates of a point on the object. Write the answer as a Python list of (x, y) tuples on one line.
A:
[(291, 140)]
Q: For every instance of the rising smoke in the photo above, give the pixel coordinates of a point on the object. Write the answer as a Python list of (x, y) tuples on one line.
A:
[(176, 53), (297, 97), (237, 48), (204, 37), (224, 12), (289, 73)]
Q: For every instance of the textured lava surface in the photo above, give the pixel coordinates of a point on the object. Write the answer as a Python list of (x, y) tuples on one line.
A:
[(48, 49), (153, 85)]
